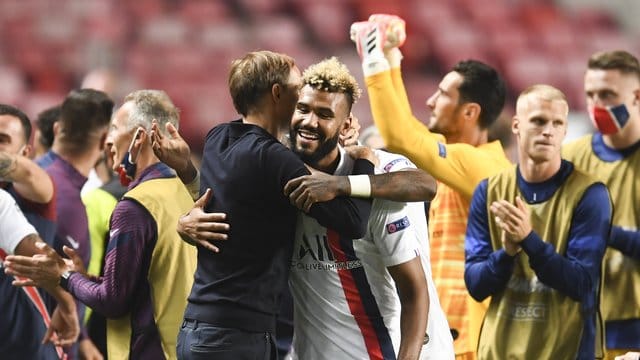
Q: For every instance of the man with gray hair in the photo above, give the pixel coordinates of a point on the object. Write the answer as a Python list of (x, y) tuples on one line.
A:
[(148, 270)]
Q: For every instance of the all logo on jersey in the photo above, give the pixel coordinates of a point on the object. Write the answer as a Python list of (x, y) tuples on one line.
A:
[(315, 254), (318, 248), (398, 225)]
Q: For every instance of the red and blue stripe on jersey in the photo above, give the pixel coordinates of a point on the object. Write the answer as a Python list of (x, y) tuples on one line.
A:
[(361, 301)]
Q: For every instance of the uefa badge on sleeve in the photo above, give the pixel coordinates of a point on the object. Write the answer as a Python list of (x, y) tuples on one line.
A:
[(398, 225)]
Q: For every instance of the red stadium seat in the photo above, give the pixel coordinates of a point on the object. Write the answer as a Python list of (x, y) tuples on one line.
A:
[(328, 21), (283, 34), (185, 47), (459, 42), (364, 8), (12, 85), (201, 12), (38, 101), (525, 70), (164, 31), (260, 8)]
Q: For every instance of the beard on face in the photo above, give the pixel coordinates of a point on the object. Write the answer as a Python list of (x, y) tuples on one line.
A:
[(325, 147), (447, 126)]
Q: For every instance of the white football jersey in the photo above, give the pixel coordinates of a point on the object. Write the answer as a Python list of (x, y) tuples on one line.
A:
[(346, 304), (13, 225)]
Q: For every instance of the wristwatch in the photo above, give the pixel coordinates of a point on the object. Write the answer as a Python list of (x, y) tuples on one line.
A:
[(64, 279)]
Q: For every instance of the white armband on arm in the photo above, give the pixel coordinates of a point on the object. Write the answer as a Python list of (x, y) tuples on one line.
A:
[(360, 185)]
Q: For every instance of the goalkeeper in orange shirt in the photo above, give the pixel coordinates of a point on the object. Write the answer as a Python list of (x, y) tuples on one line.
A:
[(454, 149)]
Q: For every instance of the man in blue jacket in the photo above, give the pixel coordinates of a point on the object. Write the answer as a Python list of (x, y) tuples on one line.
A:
[(535, 240)]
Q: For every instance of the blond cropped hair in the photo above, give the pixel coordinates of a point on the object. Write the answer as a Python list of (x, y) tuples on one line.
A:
[(543, 92), (333, 76)]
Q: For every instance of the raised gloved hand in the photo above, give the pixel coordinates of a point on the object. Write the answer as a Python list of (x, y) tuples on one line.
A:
[(369, 38), (394, 29)]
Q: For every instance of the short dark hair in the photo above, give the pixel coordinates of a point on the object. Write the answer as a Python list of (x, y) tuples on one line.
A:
[(83, 112), (615, 60), (483, 85), (253, 76), (44, 123), (24, 119)]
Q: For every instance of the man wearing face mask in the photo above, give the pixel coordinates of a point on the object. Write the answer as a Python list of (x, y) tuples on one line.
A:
[(148, 270), (612, 155)]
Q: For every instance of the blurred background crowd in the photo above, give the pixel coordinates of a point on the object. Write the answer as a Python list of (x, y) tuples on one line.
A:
[(184, 47)]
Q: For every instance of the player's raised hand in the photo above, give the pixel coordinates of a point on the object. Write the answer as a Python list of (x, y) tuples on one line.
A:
[(172, 150), (394, 28)]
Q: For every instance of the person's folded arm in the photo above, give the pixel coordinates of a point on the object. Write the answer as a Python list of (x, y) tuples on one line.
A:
[(575, 272)]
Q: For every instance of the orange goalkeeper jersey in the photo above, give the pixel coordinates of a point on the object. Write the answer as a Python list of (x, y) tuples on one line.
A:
[(459, 168)]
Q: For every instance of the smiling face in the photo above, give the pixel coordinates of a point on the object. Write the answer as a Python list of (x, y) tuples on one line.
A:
[(319, 118), (445, 106), (540, 126)]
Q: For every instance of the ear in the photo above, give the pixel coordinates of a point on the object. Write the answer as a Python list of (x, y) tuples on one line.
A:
[(140, 137), (346, 125), (26, 150), (472, 111), (56, 129), (515, 125), (276, 92), (103, 140)]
